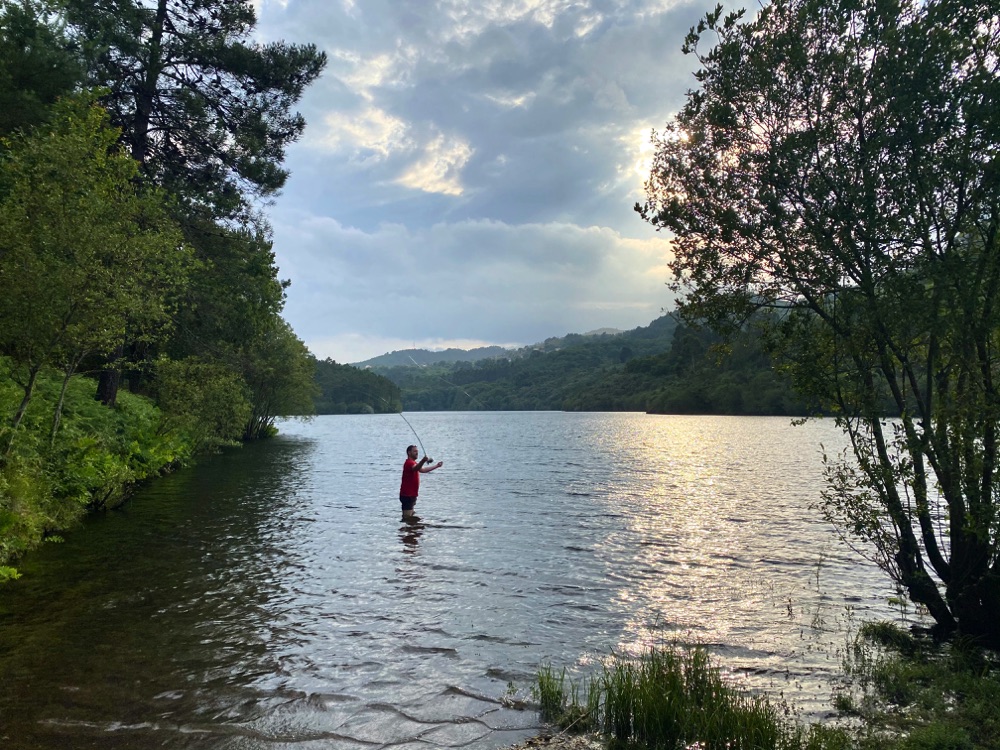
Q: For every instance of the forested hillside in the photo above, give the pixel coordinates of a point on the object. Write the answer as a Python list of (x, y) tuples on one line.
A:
[(663, 367), (406, 357), (345, 389)]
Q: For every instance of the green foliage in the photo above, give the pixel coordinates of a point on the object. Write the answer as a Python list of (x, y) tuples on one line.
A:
[(205, 402), (95, 460), (908, 693), (666, 368), (420, 357), (937, 737), (280, 377), (671, 698), (837, 167), (344, 389), (703, 373), (203, 106), (234, 298), (890, 636), (96, 246), (559, 701), (231, 317), (206, 112), (551, 693), (912, 693), (105, 258), (534, 378), (36, 66)]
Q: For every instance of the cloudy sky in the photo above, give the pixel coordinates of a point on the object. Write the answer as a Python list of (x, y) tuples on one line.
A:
[(469, 169)]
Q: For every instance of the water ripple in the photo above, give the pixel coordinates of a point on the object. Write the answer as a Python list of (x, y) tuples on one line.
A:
[(272, 598)]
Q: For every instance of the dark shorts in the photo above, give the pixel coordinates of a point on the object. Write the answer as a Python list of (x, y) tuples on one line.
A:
[(407, 502)]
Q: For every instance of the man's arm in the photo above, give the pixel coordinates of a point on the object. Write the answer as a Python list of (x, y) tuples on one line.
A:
[(427, 469)]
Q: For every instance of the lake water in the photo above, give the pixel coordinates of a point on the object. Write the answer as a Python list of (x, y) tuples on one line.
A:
[(271, 597)]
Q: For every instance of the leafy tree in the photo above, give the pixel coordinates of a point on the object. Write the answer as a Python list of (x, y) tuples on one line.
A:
[(36, 66), (203, 107), (231, 319), (205, 401), (839, 164), (233, 301), (344, 389), (279, 373), (83, 252), (702, 373), (236, 294)]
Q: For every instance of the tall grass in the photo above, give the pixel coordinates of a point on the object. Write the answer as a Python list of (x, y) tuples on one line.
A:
[(674, 698), (907, 694), (559, 701)]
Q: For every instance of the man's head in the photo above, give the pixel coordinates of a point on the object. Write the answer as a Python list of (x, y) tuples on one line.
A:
[(411, 451)]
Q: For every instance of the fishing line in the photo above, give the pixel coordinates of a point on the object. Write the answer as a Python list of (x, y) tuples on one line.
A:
[(400, 413), (450, 383)]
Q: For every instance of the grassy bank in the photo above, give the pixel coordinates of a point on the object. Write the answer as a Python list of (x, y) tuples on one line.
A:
[(906, 694), (95, 458), (913, 694)]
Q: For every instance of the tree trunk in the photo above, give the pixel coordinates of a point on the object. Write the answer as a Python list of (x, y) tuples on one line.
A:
[(977, 610), (107, 385), (110, 380), (22, 408), (144, 95), (57, 416), (135, 377)]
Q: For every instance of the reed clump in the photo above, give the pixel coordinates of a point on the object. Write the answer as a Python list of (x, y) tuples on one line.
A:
[(670, 698), (905, 692)]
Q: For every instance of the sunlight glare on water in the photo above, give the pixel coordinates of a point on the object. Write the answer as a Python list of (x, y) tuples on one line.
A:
[(271, 597)]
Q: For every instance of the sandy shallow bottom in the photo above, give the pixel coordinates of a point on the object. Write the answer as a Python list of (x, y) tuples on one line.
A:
[(563, 741)]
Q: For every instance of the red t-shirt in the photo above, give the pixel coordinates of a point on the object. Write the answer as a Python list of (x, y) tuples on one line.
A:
[(411, 479)]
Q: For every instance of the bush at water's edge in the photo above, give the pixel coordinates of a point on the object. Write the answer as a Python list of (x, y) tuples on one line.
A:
[(95, 460)]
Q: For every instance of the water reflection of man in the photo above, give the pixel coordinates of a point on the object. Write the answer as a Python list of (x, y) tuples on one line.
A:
[(410, 534), (410, 485)]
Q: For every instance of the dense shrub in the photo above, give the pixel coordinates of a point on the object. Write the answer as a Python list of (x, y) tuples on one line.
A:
[(95, 458)]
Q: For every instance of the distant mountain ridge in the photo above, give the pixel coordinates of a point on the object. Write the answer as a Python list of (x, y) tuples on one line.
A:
[(665, 368), (421, 357)]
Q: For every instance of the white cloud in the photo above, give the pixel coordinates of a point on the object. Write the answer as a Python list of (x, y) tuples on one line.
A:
[(361, 73), (511, 101), (369, 131), (439, 168)]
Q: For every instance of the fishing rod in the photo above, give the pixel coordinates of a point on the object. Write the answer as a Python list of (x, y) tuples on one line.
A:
[(416, 436), (400, 413)]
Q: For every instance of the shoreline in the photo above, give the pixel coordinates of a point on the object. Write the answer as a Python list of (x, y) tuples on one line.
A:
[(562, 741)]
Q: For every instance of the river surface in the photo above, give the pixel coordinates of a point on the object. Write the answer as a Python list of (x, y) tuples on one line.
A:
[(271, 597)]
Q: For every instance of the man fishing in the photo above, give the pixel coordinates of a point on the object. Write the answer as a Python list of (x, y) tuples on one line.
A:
[(410, 486)]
